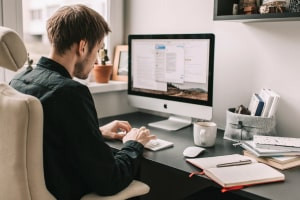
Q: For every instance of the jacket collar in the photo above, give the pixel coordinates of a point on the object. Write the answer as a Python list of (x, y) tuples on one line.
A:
[(53, 66)]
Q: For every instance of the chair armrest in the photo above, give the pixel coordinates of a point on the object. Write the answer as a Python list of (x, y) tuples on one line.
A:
[(134, 189)]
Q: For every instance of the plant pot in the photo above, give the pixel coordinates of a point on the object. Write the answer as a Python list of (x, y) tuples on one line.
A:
[(102, 73)]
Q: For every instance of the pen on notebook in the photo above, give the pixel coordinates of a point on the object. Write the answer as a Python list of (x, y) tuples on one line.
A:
[(240, 162)]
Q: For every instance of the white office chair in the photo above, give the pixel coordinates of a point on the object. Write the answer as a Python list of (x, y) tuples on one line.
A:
[(21, 128)]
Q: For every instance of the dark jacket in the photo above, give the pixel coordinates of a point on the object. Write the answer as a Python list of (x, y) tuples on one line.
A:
[(76, 158)]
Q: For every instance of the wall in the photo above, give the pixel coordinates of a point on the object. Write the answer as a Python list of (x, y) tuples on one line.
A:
[(116, 21), (248, 56), (112, 103)]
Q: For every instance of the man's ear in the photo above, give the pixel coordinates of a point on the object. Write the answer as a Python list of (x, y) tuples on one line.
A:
[(82, 47)]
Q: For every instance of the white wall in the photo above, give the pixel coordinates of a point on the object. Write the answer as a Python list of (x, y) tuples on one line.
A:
[(112, 103), (116, 21), (248, 56)]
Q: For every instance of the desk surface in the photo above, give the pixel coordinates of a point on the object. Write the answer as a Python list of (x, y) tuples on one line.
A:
[(173, 158)]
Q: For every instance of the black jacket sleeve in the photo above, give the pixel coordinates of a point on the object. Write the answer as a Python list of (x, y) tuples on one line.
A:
[(102, 171)]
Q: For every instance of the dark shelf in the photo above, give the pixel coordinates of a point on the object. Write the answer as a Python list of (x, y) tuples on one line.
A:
[(223, 10)]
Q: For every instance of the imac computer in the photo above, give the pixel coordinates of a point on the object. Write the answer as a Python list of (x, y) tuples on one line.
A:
[(172, 73)]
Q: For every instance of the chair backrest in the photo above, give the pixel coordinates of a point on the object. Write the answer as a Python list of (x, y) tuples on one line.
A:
[(21, 136), (13, 53), (21, 131)]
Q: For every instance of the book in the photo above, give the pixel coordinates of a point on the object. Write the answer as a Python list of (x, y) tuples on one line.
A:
[(277, 143), (260, 152), (268, 99), (275, 102), (237, 176), (284, 159), (256, 105), (281, 162)]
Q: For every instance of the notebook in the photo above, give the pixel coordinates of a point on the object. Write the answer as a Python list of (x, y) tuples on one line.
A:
[(236, 177), (261, 152), (281, 162), (277, 143)]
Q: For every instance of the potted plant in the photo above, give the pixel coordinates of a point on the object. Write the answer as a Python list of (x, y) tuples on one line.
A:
[(102, 69)]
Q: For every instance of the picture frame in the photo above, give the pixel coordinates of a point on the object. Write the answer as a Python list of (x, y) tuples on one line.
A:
[(120, 65)]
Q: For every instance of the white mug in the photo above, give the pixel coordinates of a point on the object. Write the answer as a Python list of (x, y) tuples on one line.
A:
[(205, 133)]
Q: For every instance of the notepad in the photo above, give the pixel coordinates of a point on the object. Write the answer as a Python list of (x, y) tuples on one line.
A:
[(279, 162), (240, 175)]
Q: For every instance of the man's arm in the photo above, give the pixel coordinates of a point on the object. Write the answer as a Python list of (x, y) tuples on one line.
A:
[(103, 172)]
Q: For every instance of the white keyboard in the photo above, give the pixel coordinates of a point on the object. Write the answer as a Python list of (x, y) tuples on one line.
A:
[(158, 144)]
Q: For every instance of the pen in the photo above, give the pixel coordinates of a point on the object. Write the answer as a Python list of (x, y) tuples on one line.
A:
[(240, 162), (237, 144)]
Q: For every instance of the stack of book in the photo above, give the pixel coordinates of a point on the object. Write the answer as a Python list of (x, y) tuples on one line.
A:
[(264, 104), (279, 152)]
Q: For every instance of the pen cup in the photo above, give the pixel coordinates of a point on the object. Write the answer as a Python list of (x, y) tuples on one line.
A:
[(205, 134)]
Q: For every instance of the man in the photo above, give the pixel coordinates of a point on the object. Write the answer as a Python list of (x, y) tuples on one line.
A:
[(76, 159)]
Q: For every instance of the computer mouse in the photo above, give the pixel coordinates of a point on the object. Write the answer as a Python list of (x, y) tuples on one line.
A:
[(192, 151)]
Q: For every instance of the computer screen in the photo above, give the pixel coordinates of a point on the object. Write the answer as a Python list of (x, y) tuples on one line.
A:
[(172, 73)]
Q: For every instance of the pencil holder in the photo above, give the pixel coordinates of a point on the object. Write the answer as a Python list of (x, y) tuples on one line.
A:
[(243, 127)]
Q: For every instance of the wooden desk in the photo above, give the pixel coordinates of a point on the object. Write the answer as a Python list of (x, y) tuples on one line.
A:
[(168, 169)]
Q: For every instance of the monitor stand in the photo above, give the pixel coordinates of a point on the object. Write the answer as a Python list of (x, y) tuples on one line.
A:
[(174, 123)]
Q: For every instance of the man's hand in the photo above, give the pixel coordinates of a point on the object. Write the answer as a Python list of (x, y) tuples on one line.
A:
[(115, 129), (141, 135)]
